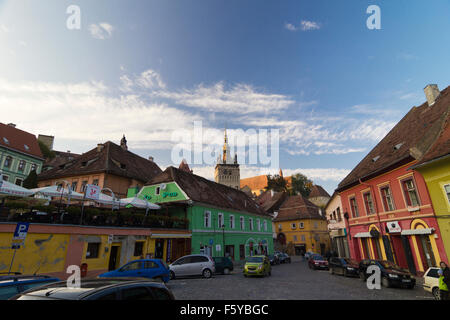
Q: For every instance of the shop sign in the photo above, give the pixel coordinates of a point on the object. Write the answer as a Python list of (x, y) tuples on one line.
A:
[(169, 194), (393, 227)]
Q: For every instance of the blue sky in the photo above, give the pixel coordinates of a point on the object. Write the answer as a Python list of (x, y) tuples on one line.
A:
[(311, 69)]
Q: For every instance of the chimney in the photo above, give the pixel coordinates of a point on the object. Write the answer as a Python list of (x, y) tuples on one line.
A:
[(12, 125), (431, 92), (151, 158), (100, 147)]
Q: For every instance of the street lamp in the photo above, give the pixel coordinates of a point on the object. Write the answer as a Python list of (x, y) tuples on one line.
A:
[(223, 237), (113, 197)]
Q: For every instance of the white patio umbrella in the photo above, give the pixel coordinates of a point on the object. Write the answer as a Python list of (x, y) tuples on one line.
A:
[(108, 200), (10, 189), (52, 191), (139, 203)]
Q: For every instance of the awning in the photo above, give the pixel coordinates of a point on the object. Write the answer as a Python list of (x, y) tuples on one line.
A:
[(362, 235), (417, 231), (170, 235)]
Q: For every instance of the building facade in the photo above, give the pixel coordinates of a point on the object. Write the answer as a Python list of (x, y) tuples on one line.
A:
[(223, 221), (19, 154), (336, 226), (387, 205), (300, 227)]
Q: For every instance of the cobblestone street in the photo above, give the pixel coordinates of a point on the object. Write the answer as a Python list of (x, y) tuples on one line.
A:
[(288, 282)]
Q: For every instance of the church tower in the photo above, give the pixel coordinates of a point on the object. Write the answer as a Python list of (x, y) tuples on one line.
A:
[(227, 171)]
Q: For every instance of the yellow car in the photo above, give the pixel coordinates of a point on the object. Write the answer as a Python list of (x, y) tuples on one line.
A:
[(257, 266)]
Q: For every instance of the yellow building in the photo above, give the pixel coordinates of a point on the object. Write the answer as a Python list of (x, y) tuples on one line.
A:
[(300, 226), (434, 166)]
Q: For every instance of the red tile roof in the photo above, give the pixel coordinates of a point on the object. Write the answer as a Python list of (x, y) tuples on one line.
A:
[(107, 158), (407, 141), (298, 207), (318, 191), (205, 191), (18, 140)]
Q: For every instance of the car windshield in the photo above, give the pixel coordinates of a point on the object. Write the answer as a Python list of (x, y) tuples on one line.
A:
[(317, 257), (255, 259)]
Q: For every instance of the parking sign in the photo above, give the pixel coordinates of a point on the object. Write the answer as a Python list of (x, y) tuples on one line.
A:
[(20, 234)]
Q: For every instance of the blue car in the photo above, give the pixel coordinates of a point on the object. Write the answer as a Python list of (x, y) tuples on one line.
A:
[(143, 268), (12, 284)]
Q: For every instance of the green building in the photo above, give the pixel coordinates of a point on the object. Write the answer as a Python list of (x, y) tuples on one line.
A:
[(19, 154), (222, 220)]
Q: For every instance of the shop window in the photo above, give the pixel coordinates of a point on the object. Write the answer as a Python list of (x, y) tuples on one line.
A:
[(409, 189), (388, 201), (138, 248), (93, 250), (207, 219), (231, 221)]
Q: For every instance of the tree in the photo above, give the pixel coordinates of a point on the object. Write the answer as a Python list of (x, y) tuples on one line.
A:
[(301, 185), (48, 154), (276, 183), (31, 181)]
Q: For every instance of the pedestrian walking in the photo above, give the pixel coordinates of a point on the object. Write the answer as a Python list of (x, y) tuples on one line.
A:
[(443, 288)]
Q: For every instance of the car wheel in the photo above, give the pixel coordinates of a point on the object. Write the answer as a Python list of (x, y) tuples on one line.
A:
[(436, 294), (226, 271), (362, 276), (385, 282), (206, 273), (172, 275)]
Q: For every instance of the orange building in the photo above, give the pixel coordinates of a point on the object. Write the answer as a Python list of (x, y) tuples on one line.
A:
[(108, 166), (258, 183)]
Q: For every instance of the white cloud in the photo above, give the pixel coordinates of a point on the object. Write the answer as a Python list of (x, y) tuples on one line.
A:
[(4, 29), (309, 25), (101, 31), (290, 27)]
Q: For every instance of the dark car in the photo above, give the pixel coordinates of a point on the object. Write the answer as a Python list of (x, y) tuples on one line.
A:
[(284, 258), (345, 266), (274, 259), (316, 261), (101, 289), (224, 265), (12, 284), (391, 274)]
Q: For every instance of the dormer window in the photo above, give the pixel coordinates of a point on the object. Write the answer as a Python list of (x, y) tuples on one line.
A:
[(5, 140), (26, 147), (84, 164), (375, 159), (397, 146)]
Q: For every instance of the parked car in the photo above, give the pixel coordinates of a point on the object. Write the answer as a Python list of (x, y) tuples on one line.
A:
[(192, 265), (12, 284), (345, 266), (101, 289), (316, 261), (224, 265), (285, 258), (431, 282), (143, 268), (257, 266), (274, 259), (391, 274)]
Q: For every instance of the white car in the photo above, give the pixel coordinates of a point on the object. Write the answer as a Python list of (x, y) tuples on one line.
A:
[(431, 282)]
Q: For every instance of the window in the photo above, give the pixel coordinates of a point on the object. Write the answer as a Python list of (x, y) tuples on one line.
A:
[(242, 220), (315, 224), (265, 225), (301, 225), (19, 182), (232, 222), (83, 186), (8, 162), (303, 237), (138, 248), (150, 265), (95, 182), (412, 200), (207, 219), (136, 265), (74, 185), (258, 224), (447, 191), (388, 201), (33, 167), (220, 223), (250, 221), (5, 140), (158, 190), (5, 178), (369, 203), (338, 210), (92, 250), (295, 238), (354, 207), (293, 225)]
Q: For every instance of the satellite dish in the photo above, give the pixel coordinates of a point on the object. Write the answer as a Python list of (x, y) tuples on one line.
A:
[(163, 186)]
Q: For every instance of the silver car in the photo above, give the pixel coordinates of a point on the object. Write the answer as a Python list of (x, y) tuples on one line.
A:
[(193, 265)]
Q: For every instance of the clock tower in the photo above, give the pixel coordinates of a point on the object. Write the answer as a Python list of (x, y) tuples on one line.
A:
[(227, 170)]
